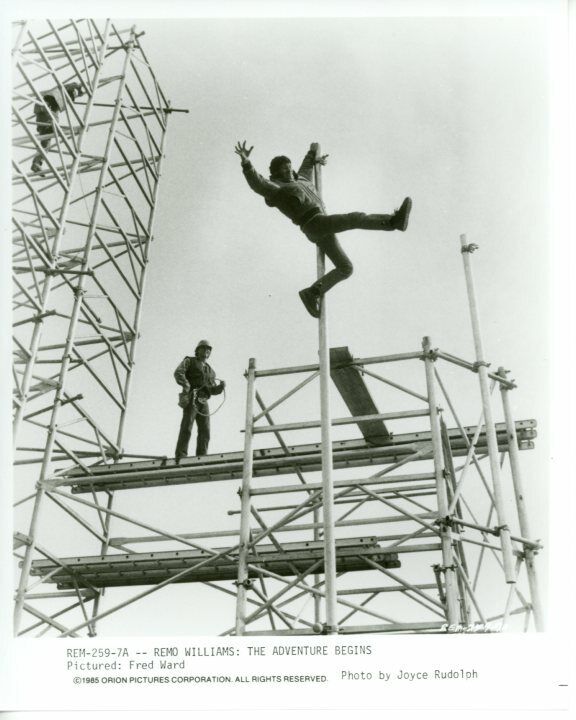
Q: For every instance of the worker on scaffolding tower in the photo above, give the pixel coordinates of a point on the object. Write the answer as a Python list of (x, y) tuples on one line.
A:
[(198, 382), (295, 195), (46, 112)]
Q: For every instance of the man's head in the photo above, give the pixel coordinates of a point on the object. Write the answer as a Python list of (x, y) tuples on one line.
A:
[(203, 350), (74, 90), (281, 169)]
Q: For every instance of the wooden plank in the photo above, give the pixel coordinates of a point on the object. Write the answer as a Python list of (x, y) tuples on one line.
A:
[(272, 462), (525, 428), (196, 554), (152, 568), (372, 456), (358, 400)]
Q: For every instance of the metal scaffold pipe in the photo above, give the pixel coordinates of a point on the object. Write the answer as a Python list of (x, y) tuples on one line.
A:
[(482, 368), (452, 615), (243, 580), (327, 483), (529, 552)]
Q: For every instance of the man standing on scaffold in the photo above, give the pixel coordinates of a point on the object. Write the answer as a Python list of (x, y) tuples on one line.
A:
[(295, 195), (198, 382)]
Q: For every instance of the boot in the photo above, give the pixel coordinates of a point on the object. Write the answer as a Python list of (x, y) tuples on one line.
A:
[(311, 301), (399, 220)]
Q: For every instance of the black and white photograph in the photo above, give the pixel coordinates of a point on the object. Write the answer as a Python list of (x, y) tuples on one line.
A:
[(290, 327)]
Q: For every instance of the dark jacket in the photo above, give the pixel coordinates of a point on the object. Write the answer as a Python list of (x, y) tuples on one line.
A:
[(296, 199), (55, 99), (195, 374)]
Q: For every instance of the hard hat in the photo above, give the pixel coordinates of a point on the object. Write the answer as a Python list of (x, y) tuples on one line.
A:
[(204, 343)]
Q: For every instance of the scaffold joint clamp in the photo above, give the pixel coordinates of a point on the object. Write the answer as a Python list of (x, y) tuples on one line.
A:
[(325, 629), (431, 354), (480, 363), (446, 521), (469, 248), (247, 583)]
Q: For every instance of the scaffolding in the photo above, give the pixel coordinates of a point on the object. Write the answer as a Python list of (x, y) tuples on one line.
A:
[(86, 174), (417, 544), (434, 538)]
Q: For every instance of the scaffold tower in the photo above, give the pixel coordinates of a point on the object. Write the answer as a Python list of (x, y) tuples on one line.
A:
[(404, 516), (86, 173)]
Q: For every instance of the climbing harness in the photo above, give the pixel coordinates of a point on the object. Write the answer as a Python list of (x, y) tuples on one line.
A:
[(199, 398)]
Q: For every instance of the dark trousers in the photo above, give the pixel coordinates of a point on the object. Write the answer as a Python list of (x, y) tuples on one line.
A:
[(321, 231), (190, 413), (44, 126)]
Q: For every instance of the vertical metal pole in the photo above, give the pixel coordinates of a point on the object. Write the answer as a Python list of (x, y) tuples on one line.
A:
[(482, 366), (513, 453), (331, 627), (25, 572), (449, 568), (317, 578), (243, 580), (103, 551), (459, 553), (70, 339), (138, 313), (320, 269)]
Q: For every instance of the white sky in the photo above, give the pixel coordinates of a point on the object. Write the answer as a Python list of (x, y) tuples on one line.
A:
[(453, 111)]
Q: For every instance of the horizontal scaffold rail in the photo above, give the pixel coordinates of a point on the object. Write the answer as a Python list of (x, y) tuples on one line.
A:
[(414, 627), (276, 461), (152, 568), (375, 360)]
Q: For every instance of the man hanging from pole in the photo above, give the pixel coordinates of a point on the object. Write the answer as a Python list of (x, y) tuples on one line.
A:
[(295, 195)]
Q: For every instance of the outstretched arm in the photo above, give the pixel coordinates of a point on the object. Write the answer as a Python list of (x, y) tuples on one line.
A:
[(259, 184), (310, 159)]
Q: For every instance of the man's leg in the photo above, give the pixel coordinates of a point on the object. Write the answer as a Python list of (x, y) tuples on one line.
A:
[(203, 426), (343, 267), (188, 415), (44, 127), (325, 224), (321, 230)]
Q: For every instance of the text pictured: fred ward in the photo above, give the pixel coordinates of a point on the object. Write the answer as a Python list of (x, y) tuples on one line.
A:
[(284, 663)]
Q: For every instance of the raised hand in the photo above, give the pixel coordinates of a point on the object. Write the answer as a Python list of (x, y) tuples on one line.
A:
[(318, 159), (242, 150)]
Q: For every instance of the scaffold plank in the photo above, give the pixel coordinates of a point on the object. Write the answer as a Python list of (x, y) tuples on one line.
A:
[(355, 394), (270, 462), (151, 568)]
